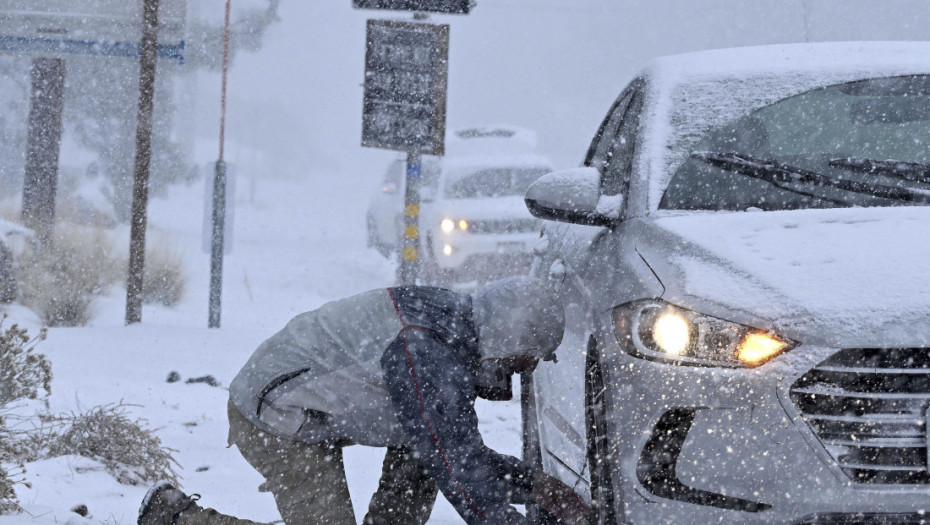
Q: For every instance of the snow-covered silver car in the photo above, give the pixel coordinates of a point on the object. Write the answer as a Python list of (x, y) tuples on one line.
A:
[(744, 261)]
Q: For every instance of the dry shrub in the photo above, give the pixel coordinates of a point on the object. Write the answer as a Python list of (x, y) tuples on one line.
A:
[(24, 374), (165, 280), (61, 281), (128, 451), (9, 503)]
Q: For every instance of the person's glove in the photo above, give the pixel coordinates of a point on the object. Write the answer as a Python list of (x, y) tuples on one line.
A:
[(560, 500)]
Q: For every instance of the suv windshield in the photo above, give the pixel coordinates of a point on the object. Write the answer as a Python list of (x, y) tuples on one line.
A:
[(864, 143), (493, 182)]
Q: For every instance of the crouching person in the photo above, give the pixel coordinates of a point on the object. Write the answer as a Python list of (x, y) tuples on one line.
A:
[(397, 368)]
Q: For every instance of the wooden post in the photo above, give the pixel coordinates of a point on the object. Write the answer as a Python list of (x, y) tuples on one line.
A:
[(140, 189), (43, 146)]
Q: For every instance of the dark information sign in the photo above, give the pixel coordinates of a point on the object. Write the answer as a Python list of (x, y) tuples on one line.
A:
[(460, 7), (406, 72)]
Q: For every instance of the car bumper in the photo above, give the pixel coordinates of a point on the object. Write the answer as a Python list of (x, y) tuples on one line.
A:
[(708, 445), (483, 254)]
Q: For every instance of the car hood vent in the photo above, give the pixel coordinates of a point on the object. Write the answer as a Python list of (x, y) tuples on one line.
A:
[(868, 406)]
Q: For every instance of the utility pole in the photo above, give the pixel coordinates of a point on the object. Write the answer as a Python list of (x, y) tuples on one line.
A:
[(219, 198), (140, 190)]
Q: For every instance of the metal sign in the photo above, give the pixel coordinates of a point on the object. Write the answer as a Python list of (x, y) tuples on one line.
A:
[(435, 6), (406, 72), (89, 27)]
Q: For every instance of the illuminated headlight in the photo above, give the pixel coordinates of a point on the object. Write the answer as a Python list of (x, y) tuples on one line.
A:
[(660, 331), (448, 225), (447, 249)]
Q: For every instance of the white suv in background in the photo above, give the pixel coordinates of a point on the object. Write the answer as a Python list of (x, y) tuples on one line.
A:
[(474, 225)]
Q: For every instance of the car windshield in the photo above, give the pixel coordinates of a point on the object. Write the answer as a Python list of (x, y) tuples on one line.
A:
[(493, 182), (429, 172), (864, 143)]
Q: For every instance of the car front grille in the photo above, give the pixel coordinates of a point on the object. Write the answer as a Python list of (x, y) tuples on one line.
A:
[(869, 406), (867, 518), (503, 226)]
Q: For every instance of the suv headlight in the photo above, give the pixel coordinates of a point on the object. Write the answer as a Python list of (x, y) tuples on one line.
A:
[(448, 225), (660, 331)]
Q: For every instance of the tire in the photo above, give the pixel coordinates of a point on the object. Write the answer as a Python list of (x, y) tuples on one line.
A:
[(599, 449), (532, 453)]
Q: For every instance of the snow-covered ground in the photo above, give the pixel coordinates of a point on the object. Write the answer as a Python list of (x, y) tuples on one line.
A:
[(299, 242)]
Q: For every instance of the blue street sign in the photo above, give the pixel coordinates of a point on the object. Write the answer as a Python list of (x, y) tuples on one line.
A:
[(20, 44)]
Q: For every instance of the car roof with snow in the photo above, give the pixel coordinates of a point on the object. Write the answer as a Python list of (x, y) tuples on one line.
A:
[(479, 148), (692, 93), (824, 59)]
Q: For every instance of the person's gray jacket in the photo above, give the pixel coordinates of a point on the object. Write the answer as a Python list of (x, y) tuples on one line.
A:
[(388, 367)]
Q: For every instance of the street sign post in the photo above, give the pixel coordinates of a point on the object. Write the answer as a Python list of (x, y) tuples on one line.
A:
[(406, 72), (436, 6)]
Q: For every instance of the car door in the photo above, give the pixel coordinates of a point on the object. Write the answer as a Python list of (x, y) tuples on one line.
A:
[(564, 261), (386, 207)]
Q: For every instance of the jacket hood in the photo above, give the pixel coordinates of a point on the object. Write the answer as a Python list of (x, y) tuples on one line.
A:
[(517, 316), (838, 276)]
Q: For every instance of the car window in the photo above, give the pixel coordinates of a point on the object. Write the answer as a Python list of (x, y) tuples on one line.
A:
[(493, 182), (601, 145), (429, 171), (616, 180), (864, 143), (395, 173), (614, 146)]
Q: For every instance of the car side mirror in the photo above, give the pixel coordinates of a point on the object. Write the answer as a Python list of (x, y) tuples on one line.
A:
[(573, 196)]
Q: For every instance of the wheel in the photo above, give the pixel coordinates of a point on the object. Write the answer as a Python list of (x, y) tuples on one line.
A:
[(532, 449), (532, 454), (599, 450)]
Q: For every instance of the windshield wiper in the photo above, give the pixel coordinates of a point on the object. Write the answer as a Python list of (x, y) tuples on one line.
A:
[(909, 171), (780, 174)]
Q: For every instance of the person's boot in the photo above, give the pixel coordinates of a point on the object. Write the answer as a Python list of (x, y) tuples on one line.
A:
[(163, 503)]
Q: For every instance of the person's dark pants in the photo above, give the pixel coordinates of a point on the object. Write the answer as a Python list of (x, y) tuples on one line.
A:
[(309, 484), (405, 493)]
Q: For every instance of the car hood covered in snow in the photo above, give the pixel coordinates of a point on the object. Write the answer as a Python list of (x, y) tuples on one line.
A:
[(839, 276), (511, 207)]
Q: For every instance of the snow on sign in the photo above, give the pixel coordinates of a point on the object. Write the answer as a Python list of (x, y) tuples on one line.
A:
[(406, 70), (88, 27), (436, 6)]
